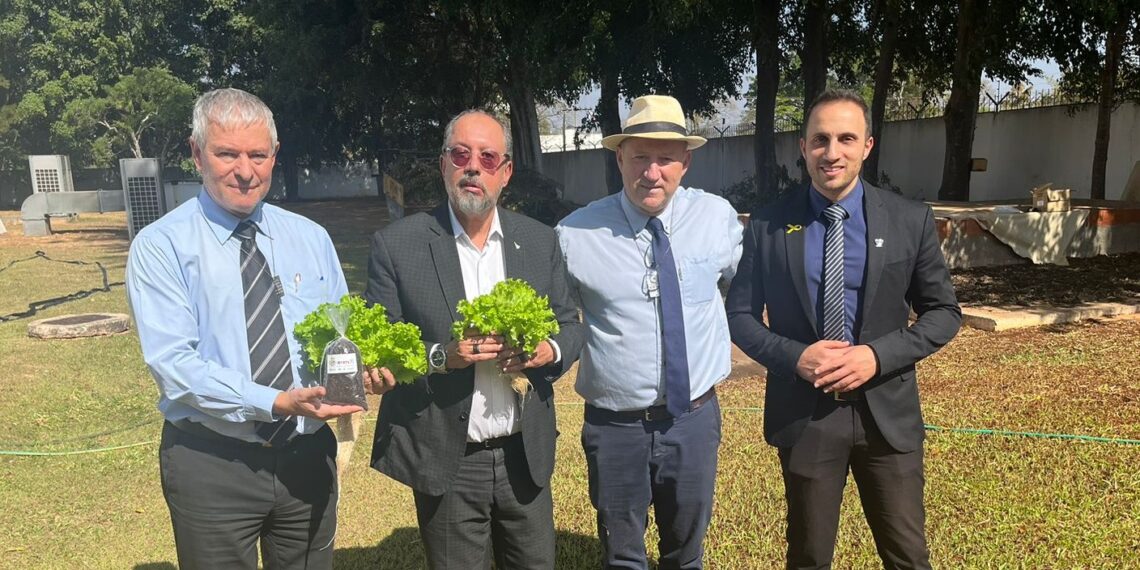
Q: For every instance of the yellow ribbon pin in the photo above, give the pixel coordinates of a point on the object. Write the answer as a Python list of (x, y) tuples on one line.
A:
[(794, 228)]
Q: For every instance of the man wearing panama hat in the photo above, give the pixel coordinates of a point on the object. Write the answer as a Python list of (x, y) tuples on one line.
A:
[(645, 263)]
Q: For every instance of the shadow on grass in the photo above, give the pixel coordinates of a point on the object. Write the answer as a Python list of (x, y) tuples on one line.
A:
[(402, 550), (156, 566)]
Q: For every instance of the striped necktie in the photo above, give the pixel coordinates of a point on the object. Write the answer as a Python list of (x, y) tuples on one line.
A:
[(269, 361), (677, 390), (834, 307)]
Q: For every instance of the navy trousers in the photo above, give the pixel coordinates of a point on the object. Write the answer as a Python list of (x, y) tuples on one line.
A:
[(670, 464)]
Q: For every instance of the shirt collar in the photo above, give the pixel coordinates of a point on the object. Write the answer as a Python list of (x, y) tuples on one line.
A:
[(223, 223), (457, 228), (637, 219), (852, 202)]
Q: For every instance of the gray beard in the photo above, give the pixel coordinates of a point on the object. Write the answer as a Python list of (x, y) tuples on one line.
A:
[(471, 205)]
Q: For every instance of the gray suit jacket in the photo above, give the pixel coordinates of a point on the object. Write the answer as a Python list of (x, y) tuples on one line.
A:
[(905, 270), (414, 272)]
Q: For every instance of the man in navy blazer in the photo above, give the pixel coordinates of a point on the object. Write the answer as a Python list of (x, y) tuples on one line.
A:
[(838, 345)]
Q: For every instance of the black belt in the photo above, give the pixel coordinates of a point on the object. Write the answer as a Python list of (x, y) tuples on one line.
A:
[(202, 432), (650, 414), (492, 443)]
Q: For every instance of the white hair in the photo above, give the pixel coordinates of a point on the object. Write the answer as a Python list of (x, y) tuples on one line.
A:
[(229, 108)]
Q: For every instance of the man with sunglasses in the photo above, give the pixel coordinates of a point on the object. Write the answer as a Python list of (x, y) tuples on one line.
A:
[(477, 456), (645, 263)]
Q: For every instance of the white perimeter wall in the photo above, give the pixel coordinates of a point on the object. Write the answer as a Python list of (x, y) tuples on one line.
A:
[(1024, 148)]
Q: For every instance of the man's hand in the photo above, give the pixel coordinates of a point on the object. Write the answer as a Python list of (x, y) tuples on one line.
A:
[(472, 349), (847, 372), (817, 355), (307, 402), (378, 381), (514, 359)]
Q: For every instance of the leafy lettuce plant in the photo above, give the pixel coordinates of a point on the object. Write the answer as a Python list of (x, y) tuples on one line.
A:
[(512, 309), (395, 346)]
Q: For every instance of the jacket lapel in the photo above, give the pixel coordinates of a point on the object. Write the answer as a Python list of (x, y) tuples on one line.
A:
[(514, 261), (446, 260), (876, 214), (797, 219)]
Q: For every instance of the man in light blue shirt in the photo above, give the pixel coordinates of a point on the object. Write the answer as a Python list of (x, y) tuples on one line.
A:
[(216, 286), (645, 264)]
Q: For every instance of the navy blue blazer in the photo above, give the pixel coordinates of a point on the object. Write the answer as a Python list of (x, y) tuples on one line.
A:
[(905, 271)]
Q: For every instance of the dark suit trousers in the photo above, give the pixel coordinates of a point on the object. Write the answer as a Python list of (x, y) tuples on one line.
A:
[(842, 436), (492, 509), (226, 496), (670, 464)]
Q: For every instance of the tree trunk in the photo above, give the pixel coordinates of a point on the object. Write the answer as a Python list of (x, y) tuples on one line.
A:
[(610, 119), (1114, 46), (766, 42), (889, 20), (813, 58), (962, 108), (527, 152)]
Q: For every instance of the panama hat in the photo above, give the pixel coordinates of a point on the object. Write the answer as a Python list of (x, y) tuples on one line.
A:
[(654, 117)]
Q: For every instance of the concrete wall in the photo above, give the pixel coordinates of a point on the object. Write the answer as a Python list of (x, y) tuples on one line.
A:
[(1024, 148)]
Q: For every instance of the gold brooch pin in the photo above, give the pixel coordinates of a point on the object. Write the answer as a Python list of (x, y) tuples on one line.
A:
[(794, 228)]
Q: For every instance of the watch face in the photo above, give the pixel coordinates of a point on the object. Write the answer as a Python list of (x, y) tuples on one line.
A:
[(438, 357)]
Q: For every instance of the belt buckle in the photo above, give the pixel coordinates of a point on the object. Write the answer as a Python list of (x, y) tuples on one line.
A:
[(647, 414), (851, 396)]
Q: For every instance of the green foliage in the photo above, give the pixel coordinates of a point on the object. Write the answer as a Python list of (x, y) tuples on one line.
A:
[(535, 195), (512, 309), (143, 114), (396, 346), (746, 196), (423, 185)]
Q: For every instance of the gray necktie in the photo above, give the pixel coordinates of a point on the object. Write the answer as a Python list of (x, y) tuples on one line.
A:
[(834, 309), (269, 361)]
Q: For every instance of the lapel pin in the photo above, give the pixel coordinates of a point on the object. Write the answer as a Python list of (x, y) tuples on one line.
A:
[(794, 228), (878, 242), (516, 245)]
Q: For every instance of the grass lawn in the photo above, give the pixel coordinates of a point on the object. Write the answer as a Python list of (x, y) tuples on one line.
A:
[(992, 502)]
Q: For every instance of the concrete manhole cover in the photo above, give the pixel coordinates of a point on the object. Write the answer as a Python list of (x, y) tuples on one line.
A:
[(76, 326)]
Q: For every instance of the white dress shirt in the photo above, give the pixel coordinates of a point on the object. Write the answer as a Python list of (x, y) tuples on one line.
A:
[(494, 405)]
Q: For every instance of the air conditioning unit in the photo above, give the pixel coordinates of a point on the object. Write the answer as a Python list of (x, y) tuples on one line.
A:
[(142, 192), (50, 173)]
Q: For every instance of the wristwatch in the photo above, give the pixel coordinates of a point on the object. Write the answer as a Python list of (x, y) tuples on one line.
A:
[(437, 359)]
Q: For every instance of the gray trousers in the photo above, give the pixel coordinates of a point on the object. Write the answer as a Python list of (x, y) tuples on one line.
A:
[(226, 497), (493, 511)]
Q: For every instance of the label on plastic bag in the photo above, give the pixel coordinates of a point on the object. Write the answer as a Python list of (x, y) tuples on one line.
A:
[(340, 363)]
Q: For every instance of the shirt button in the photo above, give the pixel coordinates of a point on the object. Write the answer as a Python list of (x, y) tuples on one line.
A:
[(463, 417)]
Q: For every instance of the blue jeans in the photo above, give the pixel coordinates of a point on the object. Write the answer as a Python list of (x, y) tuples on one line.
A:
[(670, 464)]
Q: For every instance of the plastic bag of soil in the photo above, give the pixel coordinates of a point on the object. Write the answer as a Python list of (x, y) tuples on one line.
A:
[(342, 373)]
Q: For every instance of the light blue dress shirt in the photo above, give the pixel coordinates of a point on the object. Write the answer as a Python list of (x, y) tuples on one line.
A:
[(608, 254), (185, 291)]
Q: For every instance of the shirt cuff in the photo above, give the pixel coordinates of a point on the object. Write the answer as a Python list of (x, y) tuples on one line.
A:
[(259, 402), (557, 351)]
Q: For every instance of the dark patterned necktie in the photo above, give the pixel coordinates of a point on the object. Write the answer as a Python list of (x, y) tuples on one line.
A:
[(677, 394), (834, 307), (269, 362)]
